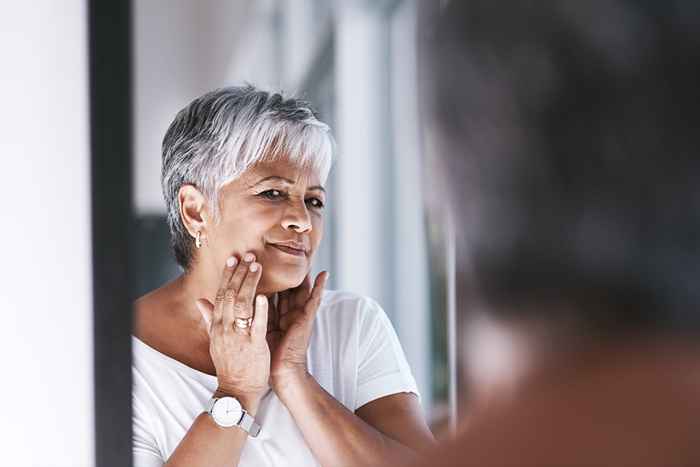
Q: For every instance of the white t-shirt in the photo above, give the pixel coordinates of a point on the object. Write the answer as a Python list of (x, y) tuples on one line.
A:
[(354, 355)]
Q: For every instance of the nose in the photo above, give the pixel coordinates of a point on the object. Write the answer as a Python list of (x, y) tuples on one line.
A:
[(296, 217)]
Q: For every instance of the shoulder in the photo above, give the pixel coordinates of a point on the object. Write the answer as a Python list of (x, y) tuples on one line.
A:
[(342, 304), (153, 311), (348, 313), (341, 299)]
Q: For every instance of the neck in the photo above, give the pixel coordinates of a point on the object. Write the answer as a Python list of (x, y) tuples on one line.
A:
[(198, 283)]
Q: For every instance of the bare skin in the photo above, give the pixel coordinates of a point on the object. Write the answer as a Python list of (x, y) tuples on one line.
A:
[(271, 205)]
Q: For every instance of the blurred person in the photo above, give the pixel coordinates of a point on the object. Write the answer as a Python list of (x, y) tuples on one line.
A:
[(568, 134), (241, 360)]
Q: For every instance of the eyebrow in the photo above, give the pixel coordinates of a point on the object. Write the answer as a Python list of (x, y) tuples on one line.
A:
[(291, 182)]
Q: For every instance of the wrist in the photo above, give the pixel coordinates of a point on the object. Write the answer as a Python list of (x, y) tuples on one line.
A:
[(248, 402), (288, 381)]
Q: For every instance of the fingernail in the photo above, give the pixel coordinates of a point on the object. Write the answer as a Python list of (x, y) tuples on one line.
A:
[(249, 257), (254, 267), (231, 261)]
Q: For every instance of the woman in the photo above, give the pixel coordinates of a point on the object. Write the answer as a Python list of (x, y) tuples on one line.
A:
[(242, 341)]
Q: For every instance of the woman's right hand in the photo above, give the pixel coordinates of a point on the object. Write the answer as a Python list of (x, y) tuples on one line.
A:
[(241, 356)]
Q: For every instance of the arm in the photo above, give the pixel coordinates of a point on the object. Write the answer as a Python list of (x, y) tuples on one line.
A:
[(391, 427), (206, 443), (242, 361), (382, 429)]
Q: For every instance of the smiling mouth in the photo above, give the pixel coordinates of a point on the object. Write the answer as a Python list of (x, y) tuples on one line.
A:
[(289, 250)]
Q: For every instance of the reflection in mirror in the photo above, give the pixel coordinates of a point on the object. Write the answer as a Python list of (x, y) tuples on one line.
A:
[(350, 366)]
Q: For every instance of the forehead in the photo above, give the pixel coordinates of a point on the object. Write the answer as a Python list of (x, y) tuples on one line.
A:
[(284, 168)]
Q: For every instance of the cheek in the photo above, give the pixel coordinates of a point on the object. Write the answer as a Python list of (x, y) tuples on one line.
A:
[(249, 225), (317, 232)]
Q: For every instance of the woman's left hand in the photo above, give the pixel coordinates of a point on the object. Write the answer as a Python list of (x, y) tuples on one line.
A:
[(289, 336)]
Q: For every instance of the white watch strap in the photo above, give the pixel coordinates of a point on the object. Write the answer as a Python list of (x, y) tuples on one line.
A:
[(210, 405), (249, 424)]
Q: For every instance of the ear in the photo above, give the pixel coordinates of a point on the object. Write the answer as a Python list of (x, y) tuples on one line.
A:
[(193, 209)]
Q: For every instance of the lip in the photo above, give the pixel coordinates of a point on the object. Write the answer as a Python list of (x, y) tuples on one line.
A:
[(291, 248)]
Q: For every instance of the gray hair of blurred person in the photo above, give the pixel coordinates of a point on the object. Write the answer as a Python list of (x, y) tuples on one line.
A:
[(568, 132), (221, 134)]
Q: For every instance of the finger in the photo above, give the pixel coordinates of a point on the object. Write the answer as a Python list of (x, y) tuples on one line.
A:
[(283, 303), (273, 339), (243, 307), (258, 329), (273, 320), (290, 318), (231, 292), (206, 308), (241, 272), (229, 268), (225, 307), (283, 310), (311, 306), (301, 294)]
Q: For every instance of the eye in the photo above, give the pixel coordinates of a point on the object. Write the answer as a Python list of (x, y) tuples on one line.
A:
[(272, 194), (315, 202)]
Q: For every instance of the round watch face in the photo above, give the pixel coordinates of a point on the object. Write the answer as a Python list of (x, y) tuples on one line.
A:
[(227, 411)]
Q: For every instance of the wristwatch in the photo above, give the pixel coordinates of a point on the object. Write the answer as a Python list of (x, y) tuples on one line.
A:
[(227, 412)]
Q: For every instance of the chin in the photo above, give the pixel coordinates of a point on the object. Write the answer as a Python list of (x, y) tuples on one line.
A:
[(281, 279)]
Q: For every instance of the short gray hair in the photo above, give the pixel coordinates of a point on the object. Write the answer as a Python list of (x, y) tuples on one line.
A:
[(221, 134)]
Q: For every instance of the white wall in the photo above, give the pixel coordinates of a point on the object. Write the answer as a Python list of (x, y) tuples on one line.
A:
[(46, 403), (304, 27), (364, 219), (411, 274)]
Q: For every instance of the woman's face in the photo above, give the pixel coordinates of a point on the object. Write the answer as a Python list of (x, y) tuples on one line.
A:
[(275, 211)]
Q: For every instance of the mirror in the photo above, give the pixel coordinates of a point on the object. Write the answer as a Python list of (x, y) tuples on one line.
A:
[(355, 63)]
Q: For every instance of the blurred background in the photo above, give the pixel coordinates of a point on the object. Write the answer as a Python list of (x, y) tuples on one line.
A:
[(89, 89)]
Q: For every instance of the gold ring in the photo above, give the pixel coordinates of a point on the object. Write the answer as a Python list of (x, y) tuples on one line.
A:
[(243, 323)]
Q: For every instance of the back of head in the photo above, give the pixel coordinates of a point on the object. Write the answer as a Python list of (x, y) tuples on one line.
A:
[(568, 131)]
